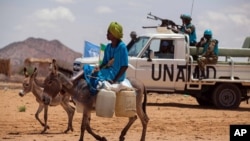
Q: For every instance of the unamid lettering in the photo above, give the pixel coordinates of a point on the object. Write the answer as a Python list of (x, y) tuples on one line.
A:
[(167, 71)]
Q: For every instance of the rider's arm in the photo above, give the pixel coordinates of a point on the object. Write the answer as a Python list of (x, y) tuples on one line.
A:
[(120, 73)]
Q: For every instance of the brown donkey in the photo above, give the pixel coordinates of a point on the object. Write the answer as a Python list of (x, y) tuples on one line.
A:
[(57, 81), (30, 86)]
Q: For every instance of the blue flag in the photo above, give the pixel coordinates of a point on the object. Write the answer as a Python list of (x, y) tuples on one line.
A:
[(91, 50)]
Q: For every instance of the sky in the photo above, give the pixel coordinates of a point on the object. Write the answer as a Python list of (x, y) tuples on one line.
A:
[(74, 21)]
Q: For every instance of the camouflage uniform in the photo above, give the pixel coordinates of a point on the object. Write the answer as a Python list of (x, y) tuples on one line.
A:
[(209, 55)]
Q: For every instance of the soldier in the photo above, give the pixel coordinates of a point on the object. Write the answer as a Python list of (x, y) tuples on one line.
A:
[(188, 28), (133, 37), (210, 51)]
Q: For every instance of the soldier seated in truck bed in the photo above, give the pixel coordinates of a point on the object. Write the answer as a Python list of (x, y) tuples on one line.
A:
[(210, 51)]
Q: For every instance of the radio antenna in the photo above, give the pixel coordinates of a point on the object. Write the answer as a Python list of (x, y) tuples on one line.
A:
[(192, 8)]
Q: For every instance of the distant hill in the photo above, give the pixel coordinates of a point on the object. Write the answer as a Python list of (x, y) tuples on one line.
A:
[(17, 52)]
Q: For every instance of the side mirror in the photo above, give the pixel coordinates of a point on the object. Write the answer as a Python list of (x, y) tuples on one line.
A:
[(150, 55)]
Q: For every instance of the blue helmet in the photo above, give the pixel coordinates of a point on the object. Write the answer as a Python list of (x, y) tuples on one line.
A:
[(208, 32), (185, 16), (165, 43)]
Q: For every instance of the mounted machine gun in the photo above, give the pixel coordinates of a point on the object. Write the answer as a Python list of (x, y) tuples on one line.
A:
[(164, 22)]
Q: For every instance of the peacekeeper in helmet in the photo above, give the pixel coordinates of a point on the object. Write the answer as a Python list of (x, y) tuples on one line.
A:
[(188, 28), (209, 53)]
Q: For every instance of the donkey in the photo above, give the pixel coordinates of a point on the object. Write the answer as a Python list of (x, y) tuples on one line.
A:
[(80, 91), (29, 85)]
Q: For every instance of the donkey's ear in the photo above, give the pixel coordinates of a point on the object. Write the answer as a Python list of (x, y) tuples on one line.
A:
[(25, 72), (24, 69), (53, 66), (54, 61), (34, 72)]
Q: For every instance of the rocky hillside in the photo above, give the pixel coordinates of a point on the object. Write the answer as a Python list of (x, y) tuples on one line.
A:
[(17, 52)]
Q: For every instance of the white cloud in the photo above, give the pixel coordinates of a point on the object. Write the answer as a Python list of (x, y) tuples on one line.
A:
[(239, 15), (46, 25), (239, 19), (18, 27), (215, 16), (103, 9), (228, 24), (229, 17), (65, 1), (59, 13)]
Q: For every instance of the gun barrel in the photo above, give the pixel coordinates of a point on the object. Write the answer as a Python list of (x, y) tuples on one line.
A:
[(164, 22), (149, 26), (150, 18)]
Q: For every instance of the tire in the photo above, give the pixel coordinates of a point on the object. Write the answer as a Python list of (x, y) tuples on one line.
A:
[(227, 96)]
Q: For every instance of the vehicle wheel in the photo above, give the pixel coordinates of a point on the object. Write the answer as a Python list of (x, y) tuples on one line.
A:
[(227, 96)]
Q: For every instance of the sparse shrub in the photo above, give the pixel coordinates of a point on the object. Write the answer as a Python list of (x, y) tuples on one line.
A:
[(22, 108)]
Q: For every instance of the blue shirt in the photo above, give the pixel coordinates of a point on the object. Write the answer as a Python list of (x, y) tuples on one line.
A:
[(120, 55), (192, 35)]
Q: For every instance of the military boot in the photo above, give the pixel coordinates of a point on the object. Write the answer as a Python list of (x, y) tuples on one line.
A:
[(202, 76)]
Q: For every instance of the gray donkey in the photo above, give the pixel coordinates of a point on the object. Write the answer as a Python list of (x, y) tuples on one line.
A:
[(29, 85), (79, 89)]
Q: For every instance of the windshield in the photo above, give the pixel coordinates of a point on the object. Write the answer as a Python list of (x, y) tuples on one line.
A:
[(138, 46)]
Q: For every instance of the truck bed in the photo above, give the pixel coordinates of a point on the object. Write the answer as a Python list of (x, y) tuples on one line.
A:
[(241, 56), (227, 52)]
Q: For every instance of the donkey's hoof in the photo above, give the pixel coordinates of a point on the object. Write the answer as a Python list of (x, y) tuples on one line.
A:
[(103, 139), (45, 129), (43, 132), (67, 130), (121, 139)]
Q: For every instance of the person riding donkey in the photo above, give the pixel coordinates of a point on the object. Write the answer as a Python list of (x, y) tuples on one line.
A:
[(114, 64)]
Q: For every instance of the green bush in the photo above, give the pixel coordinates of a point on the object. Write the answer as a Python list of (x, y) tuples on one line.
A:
[(22, 109)]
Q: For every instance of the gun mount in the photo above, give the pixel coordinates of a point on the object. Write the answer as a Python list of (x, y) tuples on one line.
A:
[(164, 22)]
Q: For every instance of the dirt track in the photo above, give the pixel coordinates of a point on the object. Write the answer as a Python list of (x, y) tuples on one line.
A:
[(172, 118)]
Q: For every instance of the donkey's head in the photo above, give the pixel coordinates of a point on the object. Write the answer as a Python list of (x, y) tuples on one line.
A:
[(27, 82), (54, 83)]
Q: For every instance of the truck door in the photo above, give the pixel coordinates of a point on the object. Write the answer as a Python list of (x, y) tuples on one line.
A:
[(160, 73)]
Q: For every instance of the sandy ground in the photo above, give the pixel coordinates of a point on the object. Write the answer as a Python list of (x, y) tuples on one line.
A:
[(172, 118)]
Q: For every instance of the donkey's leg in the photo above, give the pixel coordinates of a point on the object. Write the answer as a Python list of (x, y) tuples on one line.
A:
[(90, 131), (45, 119), (141, 95), (38, 111), (70, 112), (144, 120), (141, 113), (85, 121), (125, 129)]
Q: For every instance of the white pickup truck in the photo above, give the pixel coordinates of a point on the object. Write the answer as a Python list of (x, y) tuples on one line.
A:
[(226, 85)]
